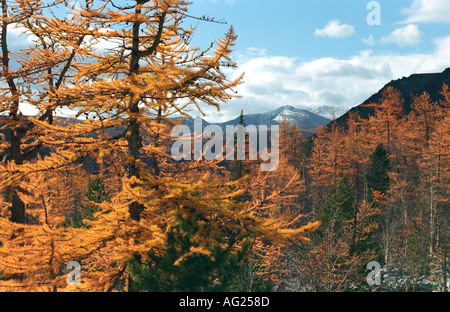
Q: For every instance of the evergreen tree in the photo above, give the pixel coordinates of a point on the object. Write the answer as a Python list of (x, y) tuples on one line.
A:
[(95, 194), (240, 168), (378, 178), (339, 252), (338, 207), (241, 118), (180, 268)]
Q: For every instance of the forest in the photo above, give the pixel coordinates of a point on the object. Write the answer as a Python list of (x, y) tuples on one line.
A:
[(95, 202)]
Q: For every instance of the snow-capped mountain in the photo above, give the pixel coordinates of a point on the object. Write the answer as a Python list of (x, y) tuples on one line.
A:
[(304, 118), (329, 112)]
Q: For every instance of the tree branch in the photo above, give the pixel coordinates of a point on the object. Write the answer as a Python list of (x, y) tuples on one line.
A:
[(157, 41)]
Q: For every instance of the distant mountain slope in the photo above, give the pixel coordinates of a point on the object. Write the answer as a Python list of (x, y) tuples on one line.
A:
[(304, 118), (329, 112), (410, 86)]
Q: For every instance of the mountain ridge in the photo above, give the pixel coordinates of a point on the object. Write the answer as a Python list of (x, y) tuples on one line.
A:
[(305, 119), (409, 87)]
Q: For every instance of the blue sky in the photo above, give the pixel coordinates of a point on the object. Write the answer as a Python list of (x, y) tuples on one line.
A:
[(311, 53), (287, 27)]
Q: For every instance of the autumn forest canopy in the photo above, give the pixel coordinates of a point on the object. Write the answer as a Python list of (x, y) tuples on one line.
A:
[(102, 191)]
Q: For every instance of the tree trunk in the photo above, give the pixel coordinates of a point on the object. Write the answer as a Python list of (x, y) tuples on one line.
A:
[(355, 224), (445, 266), (134, 138), (18, 206), (17, 209), (432, 216)]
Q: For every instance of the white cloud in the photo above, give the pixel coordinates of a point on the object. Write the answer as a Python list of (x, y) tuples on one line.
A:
[(409, 35), (428, 12), (19, 37), (251, 51), (273, 81), (229, 2), (104, 44), (369, 40), (334, 29)]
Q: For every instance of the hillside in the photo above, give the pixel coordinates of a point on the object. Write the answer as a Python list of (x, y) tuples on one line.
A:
[(409, 87)]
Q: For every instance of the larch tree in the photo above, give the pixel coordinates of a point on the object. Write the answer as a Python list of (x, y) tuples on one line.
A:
[(385, 127), (424, 119), (327, 161), (432, 138), (291, 143), (444, 229), (29, 77), (388, 111), (359, 143), (335, 260), (33, 244), (129, 93)]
